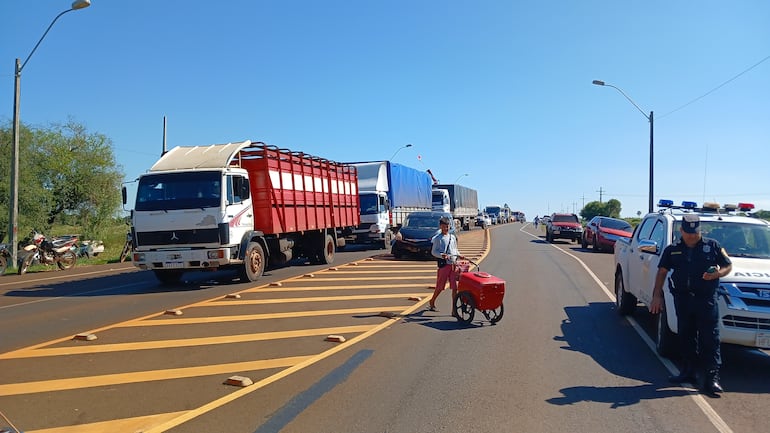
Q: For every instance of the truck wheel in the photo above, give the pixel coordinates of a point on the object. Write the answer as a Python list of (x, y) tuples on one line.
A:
[(583, 242), (624, 301), (597, 248), (168, 278), (253, 263), (326, 255), (388, 240), (665, 343)]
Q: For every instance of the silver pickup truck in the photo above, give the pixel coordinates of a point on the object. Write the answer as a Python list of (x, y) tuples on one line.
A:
[(744, 301)]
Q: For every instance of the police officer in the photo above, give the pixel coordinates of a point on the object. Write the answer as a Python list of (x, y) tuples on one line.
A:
[(698, 263)]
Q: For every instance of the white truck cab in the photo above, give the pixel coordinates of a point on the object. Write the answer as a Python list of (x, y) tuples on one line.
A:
[(744, 294)]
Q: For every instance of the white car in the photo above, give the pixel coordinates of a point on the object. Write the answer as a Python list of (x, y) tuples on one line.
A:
[(744, 294)]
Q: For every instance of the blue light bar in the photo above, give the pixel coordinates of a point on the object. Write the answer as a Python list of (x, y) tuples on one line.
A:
[(665, 203), (689, 204)]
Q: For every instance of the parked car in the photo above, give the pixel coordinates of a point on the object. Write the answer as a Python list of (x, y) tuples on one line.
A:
[(483, 220), (564, 226), (414, 237), (602, 232)]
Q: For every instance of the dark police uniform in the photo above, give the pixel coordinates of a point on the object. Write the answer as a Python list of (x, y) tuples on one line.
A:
[(695, 299)]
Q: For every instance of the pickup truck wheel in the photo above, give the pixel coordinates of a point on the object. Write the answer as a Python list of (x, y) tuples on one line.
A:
[(597, 248), (253, 263), (624, 301), (548, 236), (665, 343), (583, 242)]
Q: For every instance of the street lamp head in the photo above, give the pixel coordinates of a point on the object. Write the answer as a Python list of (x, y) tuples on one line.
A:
[(80, 4), (598, 82)]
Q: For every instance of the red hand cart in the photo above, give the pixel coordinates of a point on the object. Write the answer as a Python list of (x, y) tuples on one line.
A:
[(478, 291)]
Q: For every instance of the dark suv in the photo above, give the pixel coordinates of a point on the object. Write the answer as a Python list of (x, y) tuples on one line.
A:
[(564, 226)]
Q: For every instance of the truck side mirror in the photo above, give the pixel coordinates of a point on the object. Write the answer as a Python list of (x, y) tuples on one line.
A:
[(124, 194)]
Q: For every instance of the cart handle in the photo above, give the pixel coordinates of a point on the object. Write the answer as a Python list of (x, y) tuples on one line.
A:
[(467, 259)]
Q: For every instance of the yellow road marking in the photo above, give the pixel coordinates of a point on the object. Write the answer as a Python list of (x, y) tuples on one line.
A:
[(194, 413), (136, 424), (285, 315), (345, 287), (146, 376), (185, 342), (313, 299)]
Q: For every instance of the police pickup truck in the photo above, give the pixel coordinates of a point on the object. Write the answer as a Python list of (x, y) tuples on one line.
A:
[(744, 294)]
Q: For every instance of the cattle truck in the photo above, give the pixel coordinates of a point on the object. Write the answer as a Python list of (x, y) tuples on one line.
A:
[(239, 206), (463, 203), (388, 192)]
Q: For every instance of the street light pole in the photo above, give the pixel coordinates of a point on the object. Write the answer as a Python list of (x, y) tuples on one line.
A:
[(650, 119), (460, 176), (398, 150), (13, 225)]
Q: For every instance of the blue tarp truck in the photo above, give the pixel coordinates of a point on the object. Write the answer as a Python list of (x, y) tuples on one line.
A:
[(388, 192)]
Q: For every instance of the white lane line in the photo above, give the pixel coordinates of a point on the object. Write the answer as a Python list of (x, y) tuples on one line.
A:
[(699, 400)]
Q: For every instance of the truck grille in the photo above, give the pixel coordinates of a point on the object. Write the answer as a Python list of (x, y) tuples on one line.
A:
[(178, 237), (746, 322)]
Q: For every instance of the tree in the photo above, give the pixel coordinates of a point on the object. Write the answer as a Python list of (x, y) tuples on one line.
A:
[(66, 173), (611, 209)]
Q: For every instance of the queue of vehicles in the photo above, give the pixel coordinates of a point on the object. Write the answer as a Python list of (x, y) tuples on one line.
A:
[(247, 205)]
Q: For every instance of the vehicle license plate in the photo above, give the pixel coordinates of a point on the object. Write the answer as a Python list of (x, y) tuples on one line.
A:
[(763, 340), (173, 264)]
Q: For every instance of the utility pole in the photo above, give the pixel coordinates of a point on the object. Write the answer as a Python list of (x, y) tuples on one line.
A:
[(601, 191)]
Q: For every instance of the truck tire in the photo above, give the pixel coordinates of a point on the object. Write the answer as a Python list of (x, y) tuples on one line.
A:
[(253, 263), (326, 254), (388, 240), (168, 277), (583, 242), (597, 247), (666, 340), (624, 301)]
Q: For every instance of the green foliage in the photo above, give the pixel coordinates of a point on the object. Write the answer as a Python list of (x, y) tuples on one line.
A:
[(611, 209), (67, 175)]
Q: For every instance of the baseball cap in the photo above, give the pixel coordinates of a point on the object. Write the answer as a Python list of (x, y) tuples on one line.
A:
[(444, 220), (691, 223)]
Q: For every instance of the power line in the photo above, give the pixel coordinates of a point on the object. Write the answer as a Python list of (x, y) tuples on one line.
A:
[(715, 88)]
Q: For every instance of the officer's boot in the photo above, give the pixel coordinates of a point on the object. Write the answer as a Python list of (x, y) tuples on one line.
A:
[(686, 374), (711, 384)]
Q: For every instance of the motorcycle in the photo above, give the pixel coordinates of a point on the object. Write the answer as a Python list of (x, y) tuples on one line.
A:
[(59, 251), (5, 257)]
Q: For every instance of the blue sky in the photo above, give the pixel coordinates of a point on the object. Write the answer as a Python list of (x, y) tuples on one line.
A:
[(498, 90)]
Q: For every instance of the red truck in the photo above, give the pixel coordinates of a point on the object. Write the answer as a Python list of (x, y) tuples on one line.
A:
[(240, 206)]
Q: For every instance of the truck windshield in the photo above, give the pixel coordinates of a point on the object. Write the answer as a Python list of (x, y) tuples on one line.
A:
[(370, 204), (492, 210), (173, 191), (739, 240)]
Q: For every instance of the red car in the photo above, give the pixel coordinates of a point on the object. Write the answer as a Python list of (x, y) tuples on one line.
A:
[(602, 232), (563, 226)]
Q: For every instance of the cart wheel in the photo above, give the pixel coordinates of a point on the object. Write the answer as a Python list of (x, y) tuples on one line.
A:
[(495, 315), (465, 307)]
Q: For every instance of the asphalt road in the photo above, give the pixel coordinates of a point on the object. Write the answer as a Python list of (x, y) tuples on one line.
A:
[(560, 360)]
